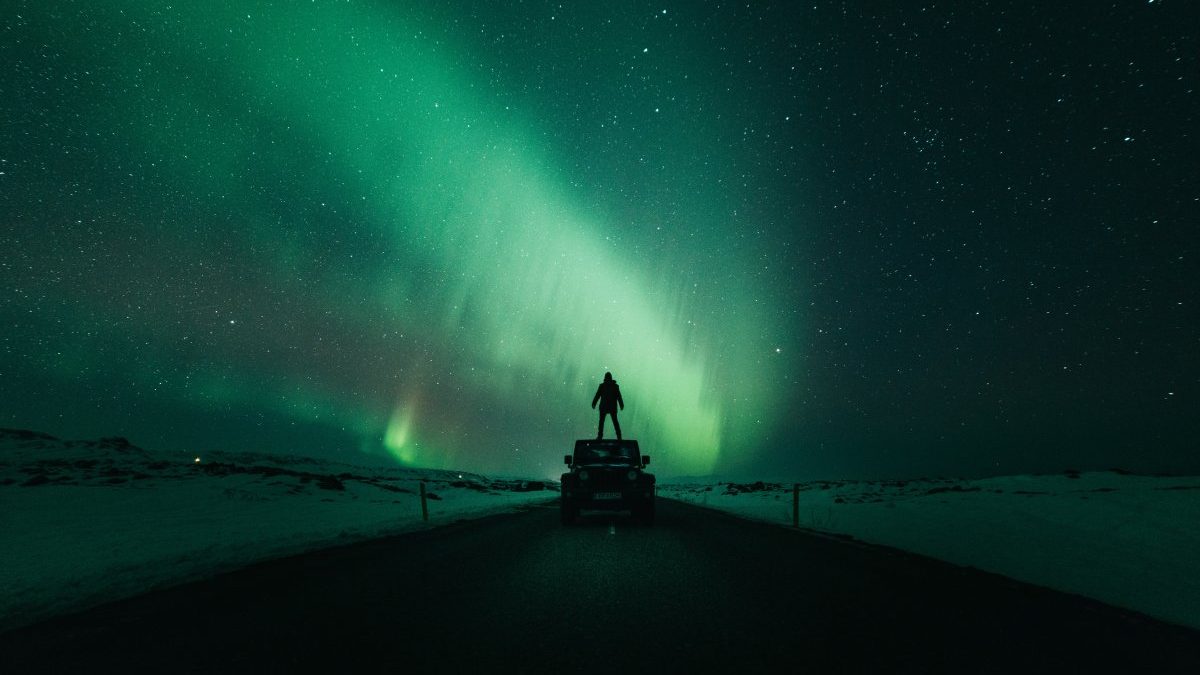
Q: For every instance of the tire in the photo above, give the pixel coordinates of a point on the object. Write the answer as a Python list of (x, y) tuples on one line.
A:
[(568, 512)]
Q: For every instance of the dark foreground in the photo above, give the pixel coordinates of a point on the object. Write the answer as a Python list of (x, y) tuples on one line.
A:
[(698, 592)]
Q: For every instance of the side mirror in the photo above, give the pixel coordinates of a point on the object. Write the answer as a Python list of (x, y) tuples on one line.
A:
[(645, 460), (567, 460)]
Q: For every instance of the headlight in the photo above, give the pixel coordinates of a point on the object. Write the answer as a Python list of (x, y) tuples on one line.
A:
[(632, 475), (582, 475)]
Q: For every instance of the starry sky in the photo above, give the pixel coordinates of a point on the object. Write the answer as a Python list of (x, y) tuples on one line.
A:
[(808, 239)]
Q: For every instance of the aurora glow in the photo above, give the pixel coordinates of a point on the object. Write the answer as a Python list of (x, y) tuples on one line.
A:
[(425, 230), (433, 239)]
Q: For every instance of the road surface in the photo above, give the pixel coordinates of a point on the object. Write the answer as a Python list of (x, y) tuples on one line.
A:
[(698, 592)]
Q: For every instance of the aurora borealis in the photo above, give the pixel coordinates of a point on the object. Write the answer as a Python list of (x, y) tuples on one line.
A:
[(804, 240)]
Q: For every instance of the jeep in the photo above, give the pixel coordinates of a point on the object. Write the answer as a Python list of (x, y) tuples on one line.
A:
[(607, 475)]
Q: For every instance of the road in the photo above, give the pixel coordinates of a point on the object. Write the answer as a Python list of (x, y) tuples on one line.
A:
[(698, 592)]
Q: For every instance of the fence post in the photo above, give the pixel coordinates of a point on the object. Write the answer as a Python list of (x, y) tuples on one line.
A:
[(424, 505), (795, 505)]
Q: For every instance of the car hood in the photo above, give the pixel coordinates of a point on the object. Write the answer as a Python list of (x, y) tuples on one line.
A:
[(614, 467)]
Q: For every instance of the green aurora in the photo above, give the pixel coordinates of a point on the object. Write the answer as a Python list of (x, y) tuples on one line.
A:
[(327, 211)]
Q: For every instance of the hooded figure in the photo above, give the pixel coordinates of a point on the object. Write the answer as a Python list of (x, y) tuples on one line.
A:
[(609, 396)]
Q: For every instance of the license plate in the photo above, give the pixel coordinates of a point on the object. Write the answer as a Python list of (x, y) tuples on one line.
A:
[(606, 495)]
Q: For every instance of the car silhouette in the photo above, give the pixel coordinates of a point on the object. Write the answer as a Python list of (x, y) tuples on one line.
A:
[(607, 475)]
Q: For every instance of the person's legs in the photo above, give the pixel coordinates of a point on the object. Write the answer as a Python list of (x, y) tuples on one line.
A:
[(600, 429), (616, 424)]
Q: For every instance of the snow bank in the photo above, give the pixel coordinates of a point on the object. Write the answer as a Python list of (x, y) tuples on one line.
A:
[(1128, 540), (85, 522)]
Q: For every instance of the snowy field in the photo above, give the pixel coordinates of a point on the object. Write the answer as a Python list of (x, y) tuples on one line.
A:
[(84, 522), (1128, 540)]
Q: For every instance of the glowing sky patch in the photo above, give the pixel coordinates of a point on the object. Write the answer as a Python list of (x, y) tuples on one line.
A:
[(358, 174)]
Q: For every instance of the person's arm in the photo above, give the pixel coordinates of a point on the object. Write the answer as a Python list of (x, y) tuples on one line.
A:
[(597, 396), (619, 400)]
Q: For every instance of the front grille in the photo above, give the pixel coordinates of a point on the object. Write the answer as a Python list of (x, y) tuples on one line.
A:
[(607, 480)]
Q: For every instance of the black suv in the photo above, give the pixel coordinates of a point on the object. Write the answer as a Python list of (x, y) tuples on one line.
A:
[(607, 475)]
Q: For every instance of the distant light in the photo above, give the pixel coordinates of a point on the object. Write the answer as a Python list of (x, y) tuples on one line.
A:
[(197, 460)]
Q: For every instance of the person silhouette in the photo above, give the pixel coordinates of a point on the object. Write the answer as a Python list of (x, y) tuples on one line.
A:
[(609, 396)]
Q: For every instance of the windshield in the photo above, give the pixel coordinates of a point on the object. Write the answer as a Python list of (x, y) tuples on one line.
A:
[(613, 454)]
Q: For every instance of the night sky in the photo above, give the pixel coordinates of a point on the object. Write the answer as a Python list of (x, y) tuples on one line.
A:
[(808, 239)]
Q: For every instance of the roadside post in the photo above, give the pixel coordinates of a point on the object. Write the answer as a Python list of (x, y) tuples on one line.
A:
[(424, 504), (795, 505)]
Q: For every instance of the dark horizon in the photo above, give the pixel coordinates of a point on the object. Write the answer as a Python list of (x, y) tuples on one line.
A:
[(807, 241)]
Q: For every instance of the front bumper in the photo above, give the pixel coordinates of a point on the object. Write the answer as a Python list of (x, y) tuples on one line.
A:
[(627, 501)]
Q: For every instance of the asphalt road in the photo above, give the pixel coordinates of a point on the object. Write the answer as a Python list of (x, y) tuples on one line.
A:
[(698, 592)]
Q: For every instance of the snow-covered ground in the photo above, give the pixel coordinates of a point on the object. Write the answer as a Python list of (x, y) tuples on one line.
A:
[(1128, 540), (84, 522)]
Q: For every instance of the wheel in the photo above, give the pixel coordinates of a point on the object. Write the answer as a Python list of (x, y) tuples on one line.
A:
[(568, 512)]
